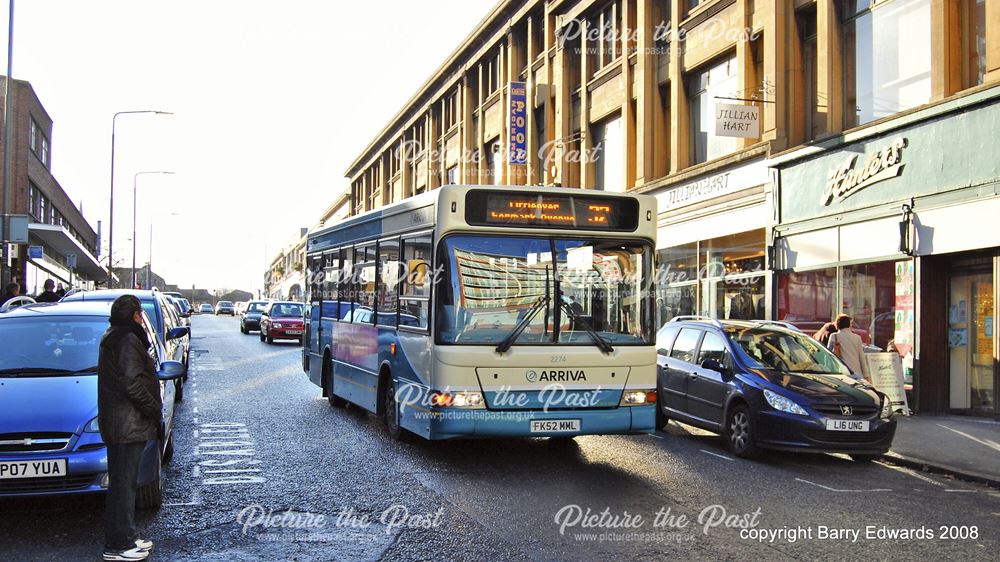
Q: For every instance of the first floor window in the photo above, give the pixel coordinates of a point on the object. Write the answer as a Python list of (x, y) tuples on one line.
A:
[(887, 58), (704, 87)]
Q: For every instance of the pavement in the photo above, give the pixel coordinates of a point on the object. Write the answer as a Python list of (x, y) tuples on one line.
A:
[(265, 469), (963, 446)]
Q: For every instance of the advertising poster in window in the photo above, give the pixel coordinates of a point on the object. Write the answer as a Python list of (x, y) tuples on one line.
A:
[(903, 337), (518, 150)]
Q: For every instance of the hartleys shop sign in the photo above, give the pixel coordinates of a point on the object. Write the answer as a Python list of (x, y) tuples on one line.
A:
[(846, 179)]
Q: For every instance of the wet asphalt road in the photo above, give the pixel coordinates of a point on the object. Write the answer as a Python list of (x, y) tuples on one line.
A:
[(254, 437)]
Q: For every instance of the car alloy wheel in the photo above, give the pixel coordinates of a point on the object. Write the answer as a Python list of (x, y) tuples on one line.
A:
[(740, 433)]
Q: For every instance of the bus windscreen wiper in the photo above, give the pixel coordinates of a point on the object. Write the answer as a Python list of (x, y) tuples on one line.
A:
[(602, 343), (504, 345), (523, 324)]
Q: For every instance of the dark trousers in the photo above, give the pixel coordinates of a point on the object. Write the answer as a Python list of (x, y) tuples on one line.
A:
[(119, 504)]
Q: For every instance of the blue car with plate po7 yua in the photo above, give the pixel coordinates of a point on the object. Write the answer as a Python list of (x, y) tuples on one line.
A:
[(50, 441)]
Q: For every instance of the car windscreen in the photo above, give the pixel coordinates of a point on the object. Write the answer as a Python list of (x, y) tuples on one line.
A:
[(785, 351), (62, 345), (286, 310), (225, 303), (256, 307)]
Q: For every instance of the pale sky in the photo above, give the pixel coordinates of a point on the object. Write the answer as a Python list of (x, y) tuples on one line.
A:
[(272, 101)]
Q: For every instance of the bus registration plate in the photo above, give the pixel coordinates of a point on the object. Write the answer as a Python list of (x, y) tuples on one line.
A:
[(555, 426)]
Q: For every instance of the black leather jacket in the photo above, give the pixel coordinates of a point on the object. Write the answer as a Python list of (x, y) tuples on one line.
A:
[(129, 407)]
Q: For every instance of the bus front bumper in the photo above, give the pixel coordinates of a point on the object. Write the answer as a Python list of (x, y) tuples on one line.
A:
[(457, 423)]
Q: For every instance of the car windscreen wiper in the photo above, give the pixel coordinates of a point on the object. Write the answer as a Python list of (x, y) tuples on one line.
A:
[(46, 371), (602, 343)]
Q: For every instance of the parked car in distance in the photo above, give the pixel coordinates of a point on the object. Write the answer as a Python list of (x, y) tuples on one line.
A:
[(764, 386), (250, 319), (241, 307), (205, 308), (225, 307), (281, 320), (50, 441)]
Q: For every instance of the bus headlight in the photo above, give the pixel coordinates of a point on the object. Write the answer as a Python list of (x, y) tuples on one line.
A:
[(463, 399), (638, 397)]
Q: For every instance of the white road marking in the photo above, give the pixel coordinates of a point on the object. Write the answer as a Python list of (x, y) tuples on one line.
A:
[(655, 435), (961, 491), (991, 444), (195, 411), (916, 475), (717, 455), (839, 490)]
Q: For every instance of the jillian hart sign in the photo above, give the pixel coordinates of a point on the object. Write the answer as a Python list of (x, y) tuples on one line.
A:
[(741, 121), (846, 179)]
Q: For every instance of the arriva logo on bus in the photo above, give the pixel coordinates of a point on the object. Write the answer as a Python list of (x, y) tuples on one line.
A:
[(556, 376)]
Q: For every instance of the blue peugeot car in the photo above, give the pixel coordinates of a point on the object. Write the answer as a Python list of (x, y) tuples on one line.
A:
[(50, 441), (766, 385)]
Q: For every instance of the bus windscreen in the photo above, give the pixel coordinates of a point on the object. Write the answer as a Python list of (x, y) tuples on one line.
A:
[(543, 210)]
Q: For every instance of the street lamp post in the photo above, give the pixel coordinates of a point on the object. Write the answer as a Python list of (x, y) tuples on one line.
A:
[(111, 198), (135, 179)]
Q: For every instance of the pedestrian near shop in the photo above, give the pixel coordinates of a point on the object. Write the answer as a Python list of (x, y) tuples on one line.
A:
[(48, 293), (824, 333), (129, 414), (848, 346), (10, 291)]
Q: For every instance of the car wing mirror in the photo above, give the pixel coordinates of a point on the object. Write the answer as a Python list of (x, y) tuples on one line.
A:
[(171, 370), (662, 351), (178, 332)]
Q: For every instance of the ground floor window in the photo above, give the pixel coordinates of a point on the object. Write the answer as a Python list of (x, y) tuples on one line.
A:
[(720, 277), (869, 293)]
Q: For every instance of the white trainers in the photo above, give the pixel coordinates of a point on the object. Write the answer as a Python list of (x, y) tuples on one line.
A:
[(126, 555), (143, 544)]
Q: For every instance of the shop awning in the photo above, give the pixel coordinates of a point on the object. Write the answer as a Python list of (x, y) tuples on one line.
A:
[(58, 240)]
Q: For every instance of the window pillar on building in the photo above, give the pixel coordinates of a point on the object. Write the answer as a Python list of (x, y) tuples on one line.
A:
[(829, 57), (679, 132), (993, 41), (586, 133)]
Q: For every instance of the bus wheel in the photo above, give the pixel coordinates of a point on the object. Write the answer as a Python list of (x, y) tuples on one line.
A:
[(332, 398), (391, 412)]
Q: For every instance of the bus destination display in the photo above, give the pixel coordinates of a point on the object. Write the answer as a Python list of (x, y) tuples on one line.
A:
[(551, 211)]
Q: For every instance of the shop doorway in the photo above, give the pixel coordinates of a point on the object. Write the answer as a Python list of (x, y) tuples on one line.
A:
[(971, 338)]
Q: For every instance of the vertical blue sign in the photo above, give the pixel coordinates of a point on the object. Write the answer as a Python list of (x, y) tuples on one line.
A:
[(517, 150)]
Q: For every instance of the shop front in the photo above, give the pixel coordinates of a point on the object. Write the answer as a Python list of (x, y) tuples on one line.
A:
[(711, 243), (895, 225)]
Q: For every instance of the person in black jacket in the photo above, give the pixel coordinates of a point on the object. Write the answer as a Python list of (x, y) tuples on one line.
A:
[(129, 413), (49, 294), (10, 291)]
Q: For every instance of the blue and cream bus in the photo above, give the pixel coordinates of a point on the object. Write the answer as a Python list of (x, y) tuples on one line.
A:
[(488, 311)]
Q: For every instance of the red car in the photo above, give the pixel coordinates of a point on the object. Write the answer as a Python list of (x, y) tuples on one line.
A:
[(281, 320)]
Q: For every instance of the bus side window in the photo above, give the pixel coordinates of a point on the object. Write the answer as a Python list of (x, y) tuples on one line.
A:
[(388, 282), (414, 298), (345, 282)]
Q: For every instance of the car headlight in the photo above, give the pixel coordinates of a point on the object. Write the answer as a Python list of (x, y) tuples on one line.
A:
[(92, 427), (782, 404), (886, 408), (276, 325)]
